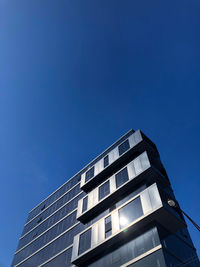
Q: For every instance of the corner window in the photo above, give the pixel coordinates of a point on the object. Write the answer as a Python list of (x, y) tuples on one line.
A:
[(121, 177), (123, 147), (85, 241), (130, 212), (85, 203), (108, 226), (106, 161), (89, 174), (104, 190)]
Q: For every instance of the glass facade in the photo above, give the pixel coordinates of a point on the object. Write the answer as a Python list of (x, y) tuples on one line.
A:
[(52, 227), (128, 251), (155, 259)]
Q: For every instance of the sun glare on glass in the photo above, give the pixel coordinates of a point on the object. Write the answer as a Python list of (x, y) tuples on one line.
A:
[(123, 221)]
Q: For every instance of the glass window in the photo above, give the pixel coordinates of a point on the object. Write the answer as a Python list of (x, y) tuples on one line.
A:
[(130, 212), (89, 174), (128, 251), (104, 190), (121, 177), (85, 203), (39, 220), (108, 226), (123, 147), (43, 207), (106, 161), (85, 241)]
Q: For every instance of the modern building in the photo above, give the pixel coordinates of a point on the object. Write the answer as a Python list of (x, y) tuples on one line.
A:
[(112, 213)]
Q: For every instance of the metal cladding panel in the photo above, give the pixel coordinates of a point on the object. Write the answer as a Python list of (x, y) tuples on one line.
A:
[(154, 197), (113, 155), (101, 231), (138, 165), (131, 170), (98, 167), (144, 161), (80, 206), (112, 184), (115, 222), (75, 246), (95, 196), (95, 238), (90, 199), (82, 180), (137, 136), (146, 203)]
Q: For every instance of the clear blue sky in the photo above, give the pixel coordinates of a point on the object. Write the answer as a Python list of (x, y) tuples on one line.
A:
[(76, 75)]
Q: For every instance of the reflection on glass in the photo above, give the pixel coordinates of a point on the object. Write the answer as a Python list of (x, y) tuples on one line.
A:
[(123, 221), (130, 212)]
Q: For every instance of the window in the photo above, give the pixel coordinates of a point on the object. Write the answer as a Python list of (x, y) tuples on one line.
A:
[(108, 226), (104, 190), (43, 207), (34, 236), (106, 161), (89, 174), (123, 147), (84, 241), (121, 177), (85, 203), (130, 212), (40, 219)]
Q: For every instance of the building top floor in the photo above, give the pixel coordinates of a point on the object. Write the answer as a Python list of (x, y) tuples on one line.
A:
[(123, 146)]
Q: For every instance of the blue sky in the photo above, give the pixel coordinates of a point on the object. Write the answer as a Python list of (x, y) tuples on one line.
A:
[(75, 76)]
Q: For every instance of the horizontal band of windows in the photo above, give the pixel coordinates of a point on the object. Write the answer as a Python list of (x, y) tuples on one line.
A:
[(45, 231), (57, 216), (51, 204), (55, 256), (64, 225), (83, 169), (51, 209), (142, 256), (18, 264), (54, 197), (67, 203)]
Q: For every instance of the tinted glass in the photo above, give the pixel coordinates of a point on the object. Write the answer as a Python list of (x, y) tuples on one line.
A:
[(121, 177), (84, 241), (63, 260), (89, 174), (123, 147), (130, 250), (106, 161), (155, 259), (108, 226), (130, 212), (85, 203), (104, 190)]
